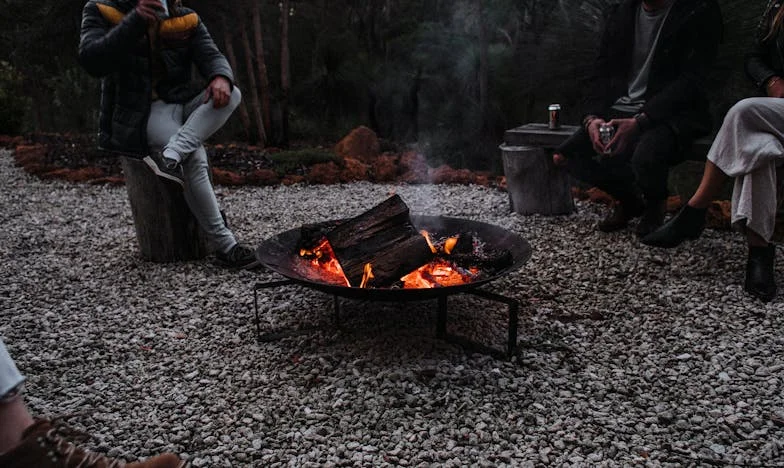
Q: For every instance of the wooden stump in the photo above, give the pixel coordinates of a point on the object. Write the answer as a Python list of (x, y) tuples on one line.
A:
[(534, 183), (166, 229)]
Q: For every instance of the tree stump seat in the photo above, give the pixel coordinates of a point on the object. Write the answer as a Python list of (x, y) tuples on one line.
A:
[(166, 230)]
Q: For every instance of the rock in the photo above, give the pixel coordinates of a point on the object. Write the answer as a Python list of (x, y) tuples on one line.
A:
[(361, 143)]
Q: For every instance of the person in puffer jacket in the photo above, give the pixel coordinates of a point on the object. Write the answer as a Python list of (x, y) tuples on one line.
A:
[(152, 105)]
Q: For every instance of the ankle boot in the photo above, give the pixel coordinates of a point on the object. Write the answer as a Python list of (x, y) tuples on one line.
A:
[(760, 272), (688, 224)]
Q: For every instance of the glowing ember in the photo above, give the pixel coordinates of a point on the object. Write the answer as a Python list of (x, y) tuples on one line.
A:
[(323, 259), (438, 273), (367, 276)]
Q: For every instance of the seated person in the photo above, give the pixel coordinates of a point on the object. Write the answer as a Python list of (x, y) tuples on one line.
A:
[(144, 51), (648, 85), (28, 443), (748, 148)]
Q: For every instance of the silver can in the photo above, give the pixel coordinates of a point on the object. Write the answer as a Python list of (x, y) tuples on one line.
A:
[(606, 132), (554, 110)]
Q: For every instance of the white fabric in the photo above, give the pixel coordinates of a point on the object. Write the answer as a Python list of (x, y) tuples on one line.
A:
[(748, 147), (10, 377)]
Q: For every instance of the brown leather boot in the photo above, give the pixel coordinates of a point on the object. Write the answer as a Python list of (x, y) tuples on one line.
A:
[(620, 215), (43, 446)]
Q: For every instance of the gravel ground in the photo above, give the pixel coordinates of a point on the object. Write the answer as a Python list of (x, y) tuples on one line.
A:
[(628, 355)]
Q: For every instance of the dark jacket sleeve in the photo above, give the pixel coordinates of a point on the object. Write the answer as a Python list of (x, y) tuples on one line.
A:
[(596, 96), (757, 60), (757, 67), (102, 46), (208, 59), (697, 56)]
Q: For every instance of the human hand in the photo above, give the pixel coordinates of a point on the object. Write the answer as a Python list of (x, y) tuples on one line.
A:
[(775, 87), (593, 134), (219, 90), (626, 133), (149, 10)]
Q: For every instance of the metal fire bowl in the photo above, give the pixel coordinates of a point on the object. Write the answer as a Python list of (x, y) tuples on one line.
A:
[(277, 254)]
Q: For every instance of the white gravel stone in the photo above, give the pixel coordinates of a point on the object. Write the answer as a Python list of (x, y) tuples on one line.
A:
[(627, 355)]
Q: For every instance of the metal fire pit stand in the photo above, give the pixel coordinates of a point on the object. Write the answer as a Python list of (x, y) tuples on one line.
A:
[(513, 307)]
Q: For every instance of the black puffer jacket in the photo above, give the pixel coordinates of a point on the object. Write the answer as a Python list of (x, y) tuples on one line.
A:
[(116, 45), (686, 50), (767, 58)]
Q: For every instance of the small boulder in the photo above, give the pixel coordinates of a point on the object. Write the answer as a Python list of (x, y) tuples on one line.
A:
[(362, 144)]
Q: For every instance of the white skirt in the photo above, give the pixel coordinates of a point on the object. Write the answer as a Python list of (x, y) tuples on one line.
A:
[(749, 147)]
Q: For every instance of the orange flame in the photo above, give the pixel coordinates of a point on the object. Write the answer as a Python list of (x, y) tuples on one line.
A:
[(367, 275), (450, 244), (426, 235)]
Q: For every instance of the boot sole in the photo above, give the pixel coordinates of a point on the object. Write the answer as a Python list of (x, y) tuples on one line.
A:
[(154, 167), (669, 245)]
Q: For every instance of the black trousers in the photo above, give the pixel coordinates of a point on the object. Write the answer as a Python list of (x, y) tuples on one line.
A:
[(642, 170)]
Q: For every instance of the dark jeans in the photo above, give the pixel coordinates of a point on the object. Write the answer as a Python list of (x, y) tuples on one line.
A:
[(641, 170)]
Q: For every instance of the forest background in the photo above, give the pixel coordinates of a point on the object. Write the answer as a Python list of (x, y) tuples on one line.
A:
[(448, 76)]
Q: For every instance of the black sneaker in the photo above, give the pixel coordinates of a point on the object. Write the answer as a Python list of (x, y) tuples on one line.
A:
[(239, 256), (165, 167)]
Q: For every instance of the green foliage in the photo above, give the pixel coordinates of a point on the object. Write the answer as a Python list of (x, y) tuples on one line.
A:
[(12, 101), (287, 162)]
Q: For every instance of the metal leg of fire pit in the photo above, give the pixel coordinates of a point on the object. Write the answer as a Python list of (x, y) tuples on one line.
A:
[(511, 340)]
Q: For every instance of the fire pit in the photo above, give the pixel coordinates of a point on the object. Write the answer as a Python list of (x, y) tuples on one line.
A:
[(281, 254)]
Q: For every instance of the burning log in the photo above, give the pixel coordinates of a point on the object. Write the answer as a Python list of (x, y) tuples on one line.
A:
[(489, 261), (384, 237)]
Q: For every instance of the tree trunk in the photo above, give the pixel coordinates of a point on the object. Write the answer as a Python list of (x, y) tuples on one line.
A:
[(534, 183), (254, 94), (285, 79), (166, 230), (229, 46), (261, 65), (484, 72)]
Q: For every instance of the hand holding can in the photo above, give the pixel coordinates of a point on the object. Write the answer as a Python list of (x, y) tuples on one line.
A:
[(606, 133)]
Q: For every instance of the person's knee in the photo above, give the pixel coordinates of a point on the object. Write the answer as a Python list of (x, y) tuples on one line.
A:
[(236, 97), (742, 109)]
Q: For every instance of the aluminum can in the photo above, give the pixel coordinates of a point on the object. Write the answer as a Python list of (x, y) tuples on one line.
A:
[(606, 132), (554, 110)]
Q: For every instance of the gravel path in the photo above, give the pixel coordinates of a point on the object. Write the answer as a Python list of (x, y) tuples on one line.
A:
[(627, 355)]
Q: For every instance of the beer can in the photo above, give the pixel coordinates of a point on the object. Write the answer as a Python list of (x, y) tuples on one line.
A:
[(606, 133), (554, 110)]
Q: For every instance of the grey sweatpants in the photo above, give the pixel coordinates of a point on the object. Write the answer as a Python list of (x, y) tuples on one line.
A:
[(184, 128), (10, 377), (749, 147)]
